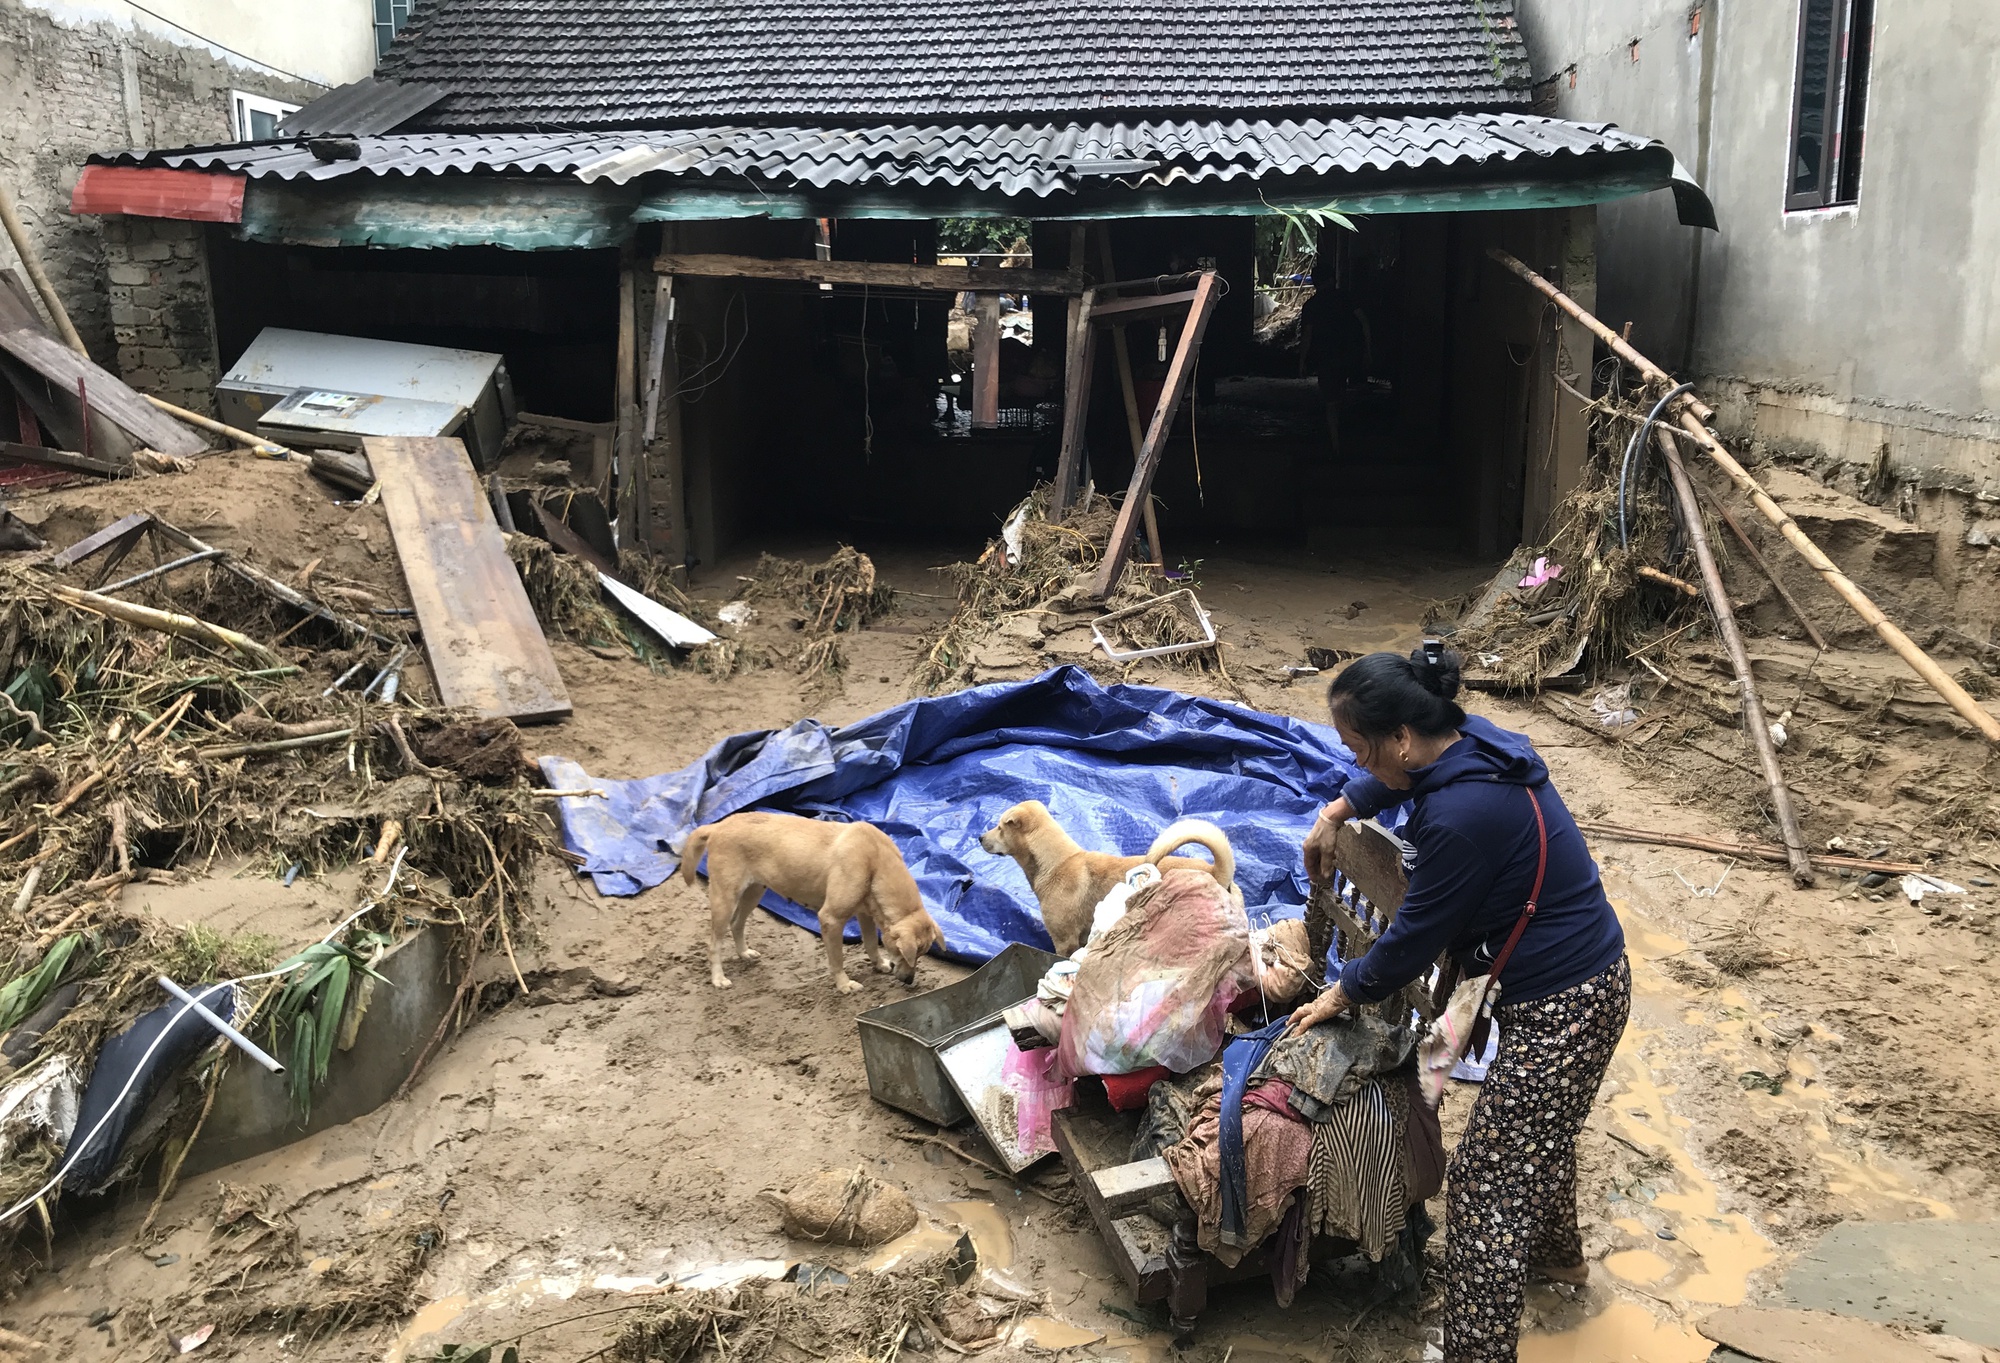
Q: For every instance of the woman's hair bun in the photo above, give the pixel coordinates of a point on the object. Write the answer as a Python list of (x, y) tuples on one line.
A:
[(1437, 669)]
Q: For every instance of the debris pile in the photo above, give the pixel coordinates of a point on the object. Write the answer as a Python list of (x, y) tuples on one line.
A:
[(136, 747), (827, 599), (1039, 570), (874, 1316)]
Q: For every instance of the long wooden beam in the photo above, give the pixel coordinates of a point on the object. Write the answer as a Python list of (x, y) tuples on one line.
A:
[(1691, 415), (1180, 372), (880, 274)]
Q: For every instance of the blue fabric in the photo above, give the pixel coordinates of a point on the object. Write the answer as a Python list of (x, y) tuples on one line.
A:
[(1115, 765), (1477, 847), (1240, 1059)]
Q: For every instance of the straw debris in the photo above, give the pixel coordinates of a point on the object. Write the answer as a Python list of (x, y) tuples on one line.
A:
[(828, 599), (1050, 575)]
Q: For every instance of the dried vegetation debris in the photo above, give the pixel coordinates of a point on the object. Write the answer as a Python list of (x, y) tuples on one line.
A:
[(1035, 580), (129, 755)]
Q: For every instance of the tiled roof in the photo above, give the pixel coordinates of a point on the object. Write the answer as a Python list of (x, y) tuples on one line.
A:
[(1043, 160), (612, 63)]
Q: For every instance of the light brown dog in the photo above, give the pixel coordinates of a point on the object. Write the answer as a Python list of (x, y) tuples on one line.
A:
[(1070, 882), (843, 870)]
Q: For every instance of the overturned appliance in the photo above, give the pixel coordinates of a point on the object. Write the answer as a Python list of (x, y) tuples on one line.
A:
[(310, 388)]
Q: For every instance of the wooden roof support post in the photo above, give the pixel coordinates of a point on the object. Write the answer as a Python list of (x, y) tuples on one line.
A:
[(1179, 373), (625, 396), (1134, 426), (1079, 356), (1692, 415), (1739, 660), (985, 361)]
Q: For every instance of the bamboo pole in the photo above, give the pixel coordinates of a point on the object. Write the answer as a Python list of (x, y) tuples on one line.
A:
[(257, 445), (167, 622), (1764, 566), (1691, 414), (36, 275), (1739, 659)]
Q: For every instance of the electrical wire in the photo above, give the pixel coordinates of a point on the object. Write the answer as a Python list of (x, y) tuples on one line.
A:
[(79, 1147), (224, 47), (1631, 447)]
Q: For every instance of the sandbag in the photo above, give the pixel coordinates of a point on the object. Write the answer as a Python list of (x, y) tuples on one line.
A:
[(846, 1209), (1157, 987)]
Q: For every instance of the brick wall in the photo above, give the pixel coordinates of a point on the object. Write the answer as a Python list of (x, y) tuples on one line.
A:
[(69, 88), (156, 283)]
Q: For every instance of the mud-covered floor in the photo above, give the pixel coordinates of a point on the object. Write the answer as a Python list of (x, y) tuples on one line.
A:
[(1795, 1058)]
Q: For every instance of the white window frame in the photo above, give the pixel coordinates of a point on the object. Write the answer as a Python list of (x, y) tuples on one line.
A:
[(242, 104)]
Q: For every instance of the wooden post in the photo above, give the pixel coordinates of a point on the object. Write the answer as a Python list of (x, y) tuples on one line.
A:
[(1079, 358), (656, 352), (1134, 427), (624, 398), (986, 361), (1739, 659), (1691, 415), (1179, 373)]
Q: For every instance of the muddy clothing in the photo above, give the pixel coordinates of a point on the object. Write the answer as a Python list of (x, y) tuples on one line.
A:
[(1513, 1177), (1477, 847)]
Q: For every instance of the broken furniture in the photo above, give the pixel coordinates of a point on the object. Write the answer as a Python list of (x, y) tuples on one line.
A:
[(486, 650), (1162, 1262), (344, 388)]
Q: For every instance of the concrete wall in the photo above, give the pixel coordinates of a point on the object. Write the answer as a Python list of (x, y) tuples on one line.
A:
[(77, 79), (1852, 330), (163, 325)]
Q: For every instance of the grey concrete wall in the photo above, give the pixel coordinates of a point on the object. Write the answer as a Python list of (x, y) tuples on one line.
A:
[(71, 86), (1878, 318)]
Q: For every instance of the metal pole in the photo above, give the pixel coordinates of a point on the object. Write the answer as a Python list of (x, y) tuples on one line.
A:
[(243, 1043)]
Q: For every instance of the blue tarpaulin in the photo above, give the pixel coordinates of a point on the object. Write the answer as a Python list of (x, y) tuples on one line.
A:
[(1114, 764)]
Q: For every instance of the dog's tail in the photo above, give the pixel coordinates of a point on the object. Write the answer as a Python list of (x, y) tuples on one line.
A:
[(691, 855), (1185, 831)]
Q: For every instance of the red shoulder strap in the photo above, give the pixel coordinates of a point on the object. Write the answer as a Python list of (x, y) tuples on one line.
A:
[(1534, 895)]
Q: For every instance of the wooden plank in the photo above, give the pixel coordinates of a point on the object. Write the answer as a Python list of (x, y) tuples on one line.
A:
[(92, 543), (562, 537), (1129, 1187), (1109, 310), (986, 361), (880, 274), (108, 395), (61, 417), (486, 649), (17, 305), (63, 459), (1179, 374), (1079, 355), (563, 423), (656, 353)]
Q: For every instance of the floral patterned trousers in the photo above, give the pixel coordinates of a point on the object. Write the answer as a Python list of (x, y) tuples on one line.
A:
[(1512, 1203)]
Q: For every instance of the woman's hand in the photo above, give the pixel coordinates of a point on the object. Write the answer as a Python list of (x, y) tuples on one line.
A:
[(1319, 842), (1328, 1004)]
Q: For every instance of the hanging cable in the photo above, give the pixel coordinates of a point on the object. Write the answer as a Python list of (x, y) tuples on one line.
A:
[(1631, 448)]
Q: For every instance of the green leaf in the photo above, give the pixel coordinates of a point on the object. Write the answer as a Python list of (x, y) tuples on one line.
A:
[(300, 1068), (326, 1027), (25, 993)]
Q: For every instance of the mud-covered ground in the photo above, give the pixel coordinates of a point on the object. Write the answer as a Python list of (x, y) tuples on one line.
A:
[(1796, 1057)]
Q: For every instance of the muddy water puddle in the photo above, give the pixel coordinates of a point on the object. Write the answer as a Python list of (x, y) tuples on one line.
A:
[(1678, 1252)]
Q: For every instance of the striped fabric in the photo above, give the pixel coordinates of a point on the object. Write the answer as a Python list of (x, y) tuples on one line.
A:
[(1356, 1175)]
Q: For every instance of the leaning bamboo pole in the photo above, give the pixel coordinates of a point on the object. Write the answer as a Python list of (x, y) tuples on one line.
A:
[(1739, 660), (32, 263), (1691, 414)]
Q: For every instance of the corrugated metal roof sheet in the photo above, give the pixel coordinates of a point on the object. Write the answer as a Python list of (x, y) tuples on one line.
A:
[(1040, 160), (518, 63), (364, 106)]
